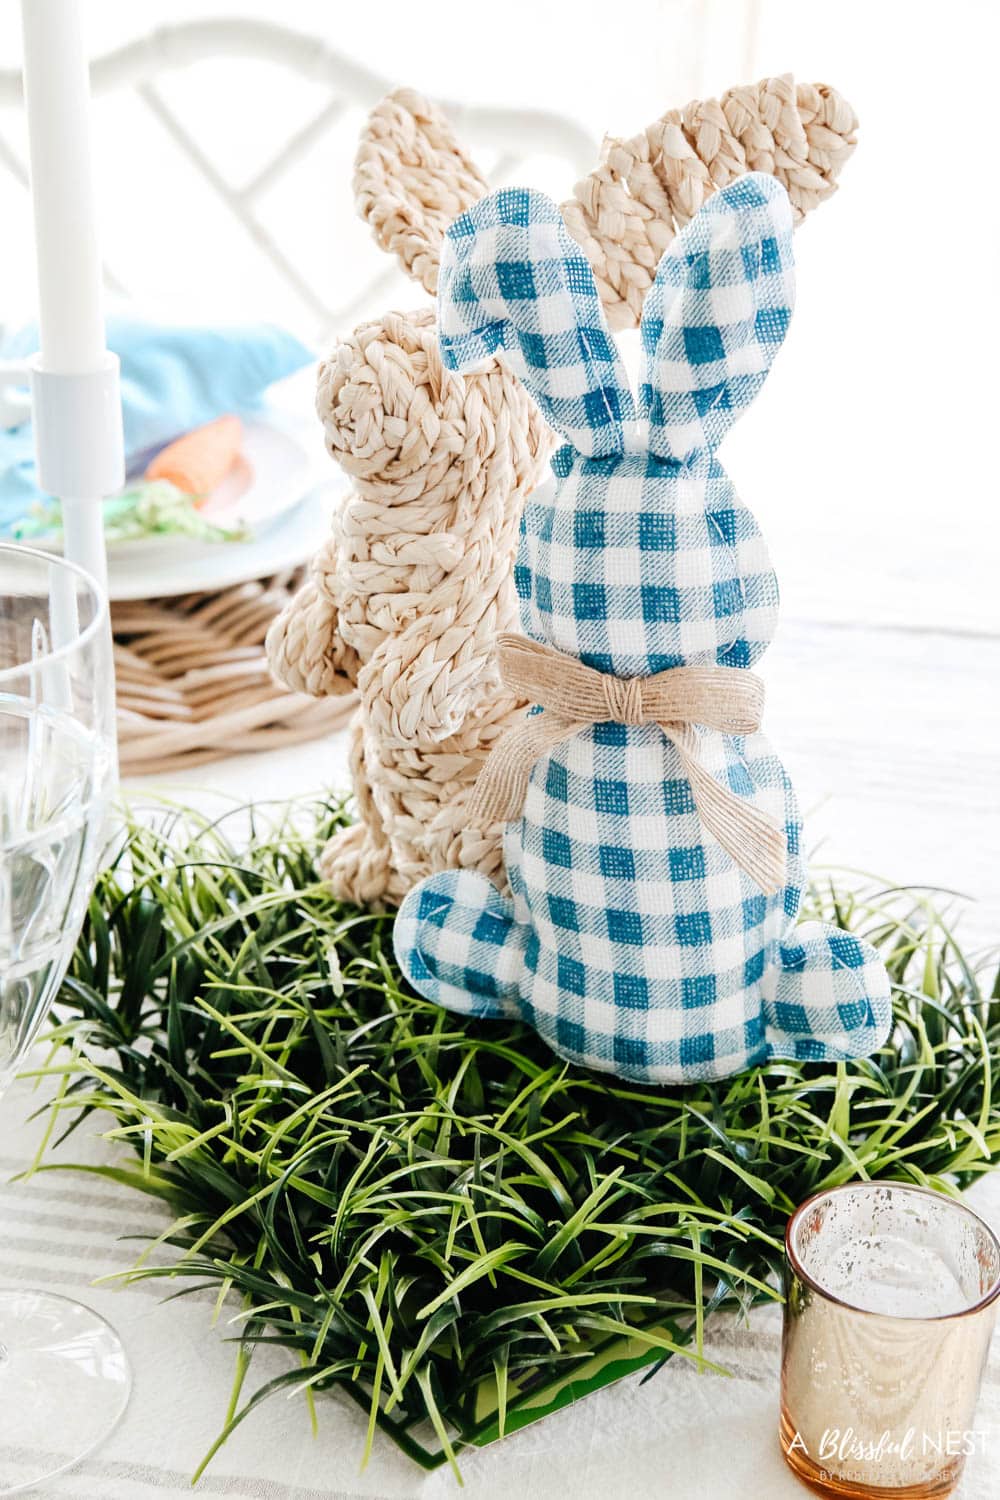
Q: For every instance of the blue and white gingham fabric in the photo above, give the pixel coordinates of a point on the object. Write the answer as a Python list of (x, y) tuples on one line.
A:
[(630, 939), (513, 282)]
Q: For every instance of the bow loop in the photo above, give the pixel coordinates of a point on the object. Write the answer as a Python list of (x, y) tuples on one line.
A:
[(568, 687)]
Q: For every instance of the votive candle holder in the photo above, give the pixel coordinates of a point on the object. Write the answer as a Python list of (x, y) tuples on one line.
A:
[(891, 1298)]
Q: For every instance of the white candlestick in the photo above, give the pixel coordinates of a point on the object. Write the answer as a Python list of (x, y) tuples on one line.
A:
[(74, 380), (57, 96)]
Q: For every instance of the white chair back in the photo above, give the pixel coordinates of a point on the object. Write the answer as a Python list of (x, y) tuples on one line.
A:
[(223, 158)]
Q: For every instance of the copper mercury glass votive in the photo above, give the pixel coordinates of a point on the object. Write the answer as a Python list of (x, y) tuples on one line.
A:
[(891, 1298)]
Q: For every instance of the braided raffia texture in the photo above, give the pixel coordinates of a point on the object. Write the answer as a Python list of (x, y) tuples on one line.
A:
[(408, 596), (305, 648), (625, 213), (411, 179)]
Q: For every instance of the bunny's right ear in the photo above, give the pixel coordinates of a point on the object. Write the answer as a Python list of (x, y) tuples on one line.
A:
[(716, 315), (513, 281)]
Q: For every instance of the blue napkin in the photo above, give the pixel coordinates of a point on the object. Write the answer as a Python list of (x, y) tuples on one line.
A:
[(173, 378)]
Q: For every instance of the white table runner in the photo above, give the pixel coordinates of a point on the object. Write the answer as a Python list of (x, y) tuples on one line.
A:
[(683, 1435)]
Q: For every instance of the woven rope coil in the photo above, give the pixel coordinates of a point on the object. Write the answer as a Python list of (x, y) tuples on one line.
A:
[(407, 598)]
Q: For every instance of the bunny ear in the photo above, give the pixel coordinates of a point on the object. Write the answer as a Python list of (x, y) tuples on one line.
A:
[(411, 178), (716, 315), (512, 280)]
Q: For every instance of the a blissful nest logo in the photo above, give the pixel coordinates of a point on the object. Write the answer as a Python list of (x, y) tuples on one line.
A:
[(844, 1445)]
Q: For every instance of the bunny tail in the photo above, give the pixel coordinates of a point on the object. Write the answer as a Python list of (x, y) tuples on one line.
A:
[(458, 944), (827, 998)]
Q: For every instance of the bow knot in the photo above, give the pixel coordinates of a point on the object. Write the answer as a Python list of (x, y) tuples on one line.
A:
[(624, 698), (574, 696)]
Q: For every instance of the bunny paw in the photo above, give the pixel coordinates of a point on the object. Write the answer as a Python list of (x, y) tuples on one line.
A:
[(827, 998), (458, 944)]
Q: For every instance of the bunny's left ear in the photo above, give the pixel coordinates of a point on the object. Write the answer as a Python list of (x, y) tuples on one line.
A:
[(716, 315), (513, 281)]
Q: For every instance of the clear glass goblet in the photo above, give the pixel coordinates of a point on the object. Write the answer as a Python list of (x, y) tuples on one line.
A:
[(64, 1377)]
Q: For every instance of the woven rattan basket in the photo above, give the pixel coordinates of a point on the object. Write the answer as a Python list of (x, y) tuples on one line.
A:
[(193, 681)]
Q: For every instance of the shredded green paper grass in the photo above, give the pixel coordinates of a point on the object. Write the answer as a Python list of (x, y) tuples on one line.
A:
[(440, 1218)]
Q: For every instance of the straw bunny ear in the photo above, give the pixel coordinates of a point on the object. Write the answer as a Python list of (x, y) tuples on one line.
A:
[(626, 211), (512, 280), (411, 179), (716, 315)]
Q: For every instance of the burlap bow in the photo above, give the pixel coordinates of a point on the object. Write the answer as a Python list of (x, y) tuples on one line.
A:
[(729, 699)]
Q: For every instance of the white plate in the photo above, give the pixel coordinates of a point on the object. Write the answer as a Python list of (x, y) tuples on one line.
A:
[(280, 488), (141, 570), (272, 473)]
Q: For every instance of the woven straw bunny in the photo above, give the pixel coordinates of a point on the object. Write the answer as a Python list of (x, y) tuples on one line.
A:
[(406, 600), (652, 842)]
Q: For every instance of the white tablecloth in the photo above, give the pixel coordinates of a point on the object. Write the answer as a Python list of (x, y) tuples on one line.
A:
[(682, 1434)]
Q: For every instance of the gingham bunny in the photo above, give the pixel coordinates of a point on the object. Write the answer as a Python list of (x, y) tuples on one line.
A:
[(633, 939), (405, 599)]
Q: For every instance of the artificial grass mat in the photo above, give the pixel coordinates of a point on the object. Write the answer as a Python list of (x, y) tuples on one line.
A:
[(439, 1217)]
